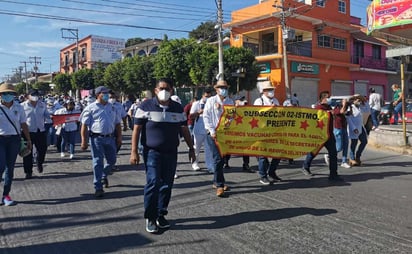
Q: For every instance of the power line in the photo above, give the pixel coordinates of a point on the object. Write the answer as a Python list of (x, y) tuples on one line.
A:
[(96, 11), (52, 17), (167, 6)]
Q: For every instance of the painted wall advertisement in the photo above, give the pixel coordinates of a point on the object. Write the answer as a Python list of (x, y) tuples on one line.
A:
[(106, 49), (388, 13)]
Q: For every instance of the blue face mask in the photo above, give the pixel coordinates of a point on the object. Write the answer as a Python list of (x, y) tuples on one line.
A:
[(105, 97), (223, 92), (7, 98), (329, 101)]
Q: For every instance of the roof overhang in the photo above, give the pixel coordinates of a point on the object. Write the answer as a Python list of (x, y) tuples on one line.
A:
[(396, 52)]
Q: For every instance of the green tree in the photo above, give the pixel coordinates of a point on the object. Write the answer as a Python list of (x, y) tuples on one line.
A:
[(43, 87), (138, 75), (205, 31), (134, 41), (83, 79), (114, 76), (202, 60), (63, 83), (236, 58), (172, 61), (20, 88), (98, 74)]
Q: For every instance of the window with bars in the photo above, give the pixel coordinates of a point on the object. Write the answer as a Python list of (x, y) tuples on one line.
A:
[(342, 6), (339, 43), (324, 41), (320, 3)]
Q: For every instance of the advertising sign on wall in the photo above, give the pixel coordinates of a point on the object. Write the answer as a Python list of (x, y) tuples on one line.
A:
[(388, 13), (106, 49)]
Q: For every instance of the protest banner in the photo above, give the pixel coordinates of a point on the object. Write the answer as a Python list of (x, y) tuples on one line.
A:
[(271, 131), (61, 119)]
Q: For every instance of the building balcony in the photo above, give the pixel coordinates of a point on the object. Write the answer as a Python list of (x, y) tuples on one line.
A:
[(301, 48), (371, 63)]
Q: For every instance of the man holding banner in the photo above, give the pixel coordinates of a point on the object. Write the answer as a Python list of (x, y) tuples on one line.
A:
[(267, 173), (330, 144), (211, 115)]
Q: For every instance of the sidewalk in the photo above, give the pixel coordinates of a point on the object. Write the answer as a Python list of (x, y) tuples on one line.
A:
[(391, 137)]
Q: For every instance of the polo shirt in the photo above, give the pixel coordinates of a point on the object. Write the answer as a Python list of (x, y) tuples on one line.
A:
[(160, 125)]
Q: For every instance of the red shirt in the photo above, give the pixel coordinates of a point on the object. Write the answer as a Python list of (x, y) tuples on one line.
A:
[(186, 109)]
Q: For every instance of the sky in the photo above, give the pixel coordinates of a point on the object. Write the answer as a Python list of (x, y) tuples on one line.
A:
[(25, 36)]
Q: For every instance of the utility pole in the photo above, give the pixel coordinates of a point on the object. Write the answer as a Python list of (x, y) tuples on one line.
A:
[(283, 14), (36, 60), (25, 76), (220, 75), (73, 35)]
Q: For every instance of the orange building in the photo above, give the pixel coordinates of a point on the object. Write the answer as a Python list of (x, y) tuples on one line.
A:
[(91, 50), (317, 40)]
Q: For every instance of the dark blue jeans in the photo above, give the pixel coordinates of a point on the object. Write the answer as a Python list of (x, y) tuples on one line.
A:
[(265, 169), (330, 145), (69, 137), (397, 111), (374, 115), (9, 148), (102, 148), (363, 138), (160, 171), (218, 161)]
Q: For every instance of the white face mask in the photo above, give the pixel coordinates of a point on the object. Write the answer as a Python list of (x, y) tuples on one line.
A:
[(34, 98), (163, 95), (112, 100), (271, 94)]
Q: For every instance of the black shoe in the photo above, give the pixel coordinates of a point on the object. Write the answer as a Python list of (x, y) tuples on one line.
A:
[(248, 169), (226, 166), (265, 181), (105, 182), (99, 193), (161, 222), (151, 226), (306, 171), (274, 178), (335, 178), (40, 168), (29, 176)]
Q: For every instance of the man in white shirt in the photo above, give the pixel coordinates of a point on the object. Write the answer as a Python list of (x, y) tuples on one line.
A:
[(376, 103), (37, 114), (199, 131), (267, 173), (211, 115)]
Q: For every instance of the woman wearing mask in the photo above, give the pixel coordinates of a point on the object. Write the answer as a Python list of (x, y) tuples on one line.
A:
[(69, 128), (12, 123)]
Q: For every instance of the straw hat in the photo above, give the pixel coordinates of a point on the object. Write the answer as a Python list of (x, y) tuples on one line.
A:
[(266, 85), (221, 83), (7, 88)]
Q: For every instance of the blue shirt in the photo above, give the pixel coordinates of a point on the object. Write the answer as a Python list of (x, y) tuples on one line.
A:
[(161, 125), (100, 118)]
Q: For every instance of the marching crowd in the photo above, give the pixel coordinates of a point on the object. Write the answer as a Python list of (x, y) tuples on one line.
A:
[(158, 123)]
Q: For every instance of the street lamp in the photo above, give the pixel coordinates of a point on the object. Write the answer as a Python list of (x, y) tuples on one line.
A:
[(240, 73)]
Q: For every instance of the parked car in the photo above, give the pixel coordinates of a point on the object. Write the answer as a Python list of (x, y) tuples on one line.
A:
[(386, 115), (408, 115)]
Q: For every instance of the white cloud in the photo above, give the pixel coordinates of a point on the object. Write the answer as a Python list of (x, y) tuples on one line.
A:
[(48, 44)]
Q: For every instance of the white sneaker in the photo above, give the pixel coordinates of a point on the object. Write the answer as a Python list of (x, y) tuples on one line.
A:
[(326, 156), (345, 165), (176, 176), (71, 156), (62, 155), (195, 166)]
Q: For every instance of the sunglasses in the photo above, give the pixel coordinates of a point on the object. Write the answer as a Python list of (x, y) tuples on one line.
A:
[(163, 88), (7, 93)]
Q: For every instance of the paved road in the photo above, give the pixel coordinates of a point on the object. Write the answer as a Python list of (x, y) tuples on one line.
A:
[(370, 213)]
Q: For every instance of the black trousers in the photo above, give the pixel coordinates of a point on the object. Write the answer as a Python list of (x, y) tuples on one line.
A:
[(38, 139)]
